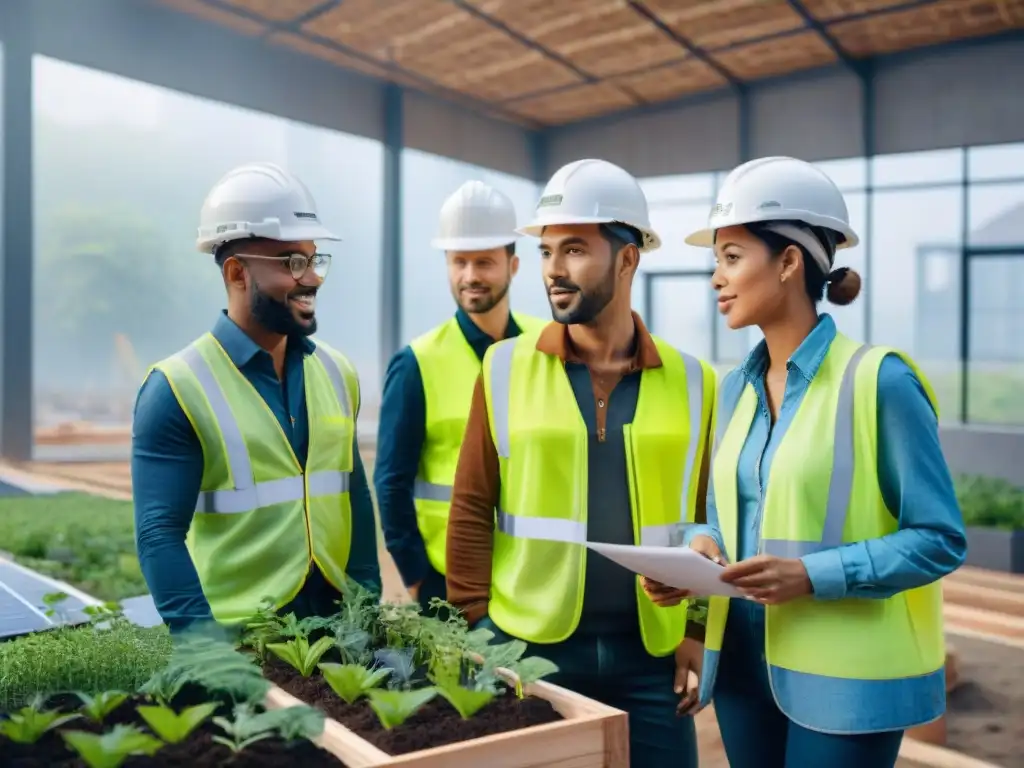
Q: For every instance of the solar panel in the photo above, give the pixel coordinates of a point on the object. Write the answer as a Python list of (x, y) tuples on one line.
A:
[(22, 608), (142, 611)]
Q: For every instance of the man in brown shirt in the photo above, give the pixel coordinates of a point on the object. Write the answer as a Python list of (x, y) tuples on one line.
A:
[(589, 261)]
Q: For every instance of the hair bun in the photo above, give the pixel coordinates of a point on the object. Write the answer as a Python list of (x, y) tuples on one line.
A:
[(843, 286)]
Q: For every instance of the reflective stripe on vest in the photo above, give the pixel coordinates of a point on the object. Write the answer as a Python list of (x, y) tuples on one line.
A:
[(248, 495), (574, 531), (841, 478)]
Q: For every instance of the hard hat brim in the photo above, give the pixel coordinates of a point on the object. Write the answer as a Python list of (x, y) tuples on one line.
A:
[(297, 233), (536, 227), (705, 238), (472, 243)]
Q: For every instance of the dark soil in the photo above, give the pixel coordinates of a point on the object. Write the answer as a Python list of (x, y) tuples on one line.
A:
[(985, 713), (197, 751), (437, 724)]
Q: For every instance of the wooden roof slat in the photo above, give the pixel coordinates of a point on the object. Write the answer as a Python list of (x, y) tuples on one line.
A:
[(829, 10), (601, 37), (711, 25), (941, 22), (334, 56), (673, 81), (206, 12), (573, 104), (771, 58), (276, 10)]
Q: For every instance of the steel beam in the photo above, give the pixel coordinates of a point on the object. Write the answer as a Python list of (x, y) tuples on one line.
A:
[(390, 311)]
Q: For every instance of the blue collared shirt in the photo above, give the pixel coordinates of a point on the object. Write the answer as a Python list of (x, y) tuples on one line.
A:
[(914, 478), (401, 434), (167, 472)]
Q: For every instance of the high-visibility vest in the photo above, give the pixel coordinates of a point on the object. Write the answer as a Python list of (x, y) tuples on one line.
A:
[(449, 369), (848, 665), (539, 559), (261, 522)]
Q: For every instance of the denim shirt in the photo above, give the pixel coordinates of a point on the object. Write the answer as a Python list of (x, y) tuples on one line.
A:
[(167, 471), (917, 489), (915, 481)]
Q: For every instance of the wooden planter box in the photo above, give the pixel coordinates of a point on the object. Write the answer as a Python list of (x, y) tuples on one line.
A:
[(592, 735), (995, 549)]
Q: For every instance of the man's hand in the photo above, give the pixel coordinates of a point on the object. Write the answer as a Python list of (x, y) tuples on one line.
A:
[(664, 596), (689, 663), (770, 580)]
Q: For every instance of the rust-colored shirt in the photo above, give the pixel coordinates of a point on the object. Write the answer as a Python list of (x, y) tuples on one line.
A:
[(476, 489)]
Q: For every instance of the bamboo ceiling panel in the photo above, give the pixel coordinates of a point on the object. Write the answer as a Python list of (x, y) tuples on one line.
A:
[(772, 58), (938, 22), (547, 62), (672, 80), (722, 23), (602, 38), (573, 104)]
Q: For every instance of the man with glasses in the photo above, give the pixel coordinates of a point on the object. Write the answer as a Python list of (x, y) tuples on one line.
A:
[(246, 474)]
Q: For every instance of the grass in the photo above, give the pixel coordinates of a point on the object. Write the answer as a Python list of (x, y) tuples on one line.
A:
[(84, 659), (86, 541)]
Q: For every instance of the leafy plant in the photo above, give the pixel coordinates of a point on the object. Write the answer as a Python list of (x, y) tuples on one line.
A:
[(174, 727), (990, 502), (111, 749), (400, 662), (102, 704), (351, 681), (395, 707), (265, 626), (246, 727), (54, 605), (299, 654), (31, 722), (467, 700)]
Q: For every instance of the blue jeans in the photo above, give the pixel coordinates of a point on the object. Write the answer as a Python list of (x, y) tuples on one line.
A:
[(616, 670), (756, 733)]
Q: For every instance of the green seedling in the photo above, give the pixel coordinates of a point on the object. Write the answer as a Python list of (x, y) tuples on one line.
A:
[(54, 605), (30, 723), (97, 707), (246, 727), (395, 707), (299, 654), (351, 681), (111, 749), (468, 701), (174, 727)]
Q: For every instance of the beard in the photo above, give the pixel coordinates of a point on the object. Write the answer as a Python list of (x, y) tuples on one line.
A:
[(277, 316), (589, 304), (478, 305)]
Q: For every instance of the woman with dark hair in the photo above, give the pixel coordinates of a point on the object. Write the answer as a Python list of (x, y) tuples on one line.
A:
[(830, 501)]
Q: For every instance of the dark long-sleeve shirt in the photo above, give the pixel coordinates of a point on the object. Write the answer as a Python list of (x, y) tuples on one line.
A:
[(400, 438), (167, 472)]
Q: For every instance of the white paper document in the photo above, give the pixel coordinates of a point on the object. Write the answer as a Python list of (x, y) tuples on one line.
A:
[(679, 567)]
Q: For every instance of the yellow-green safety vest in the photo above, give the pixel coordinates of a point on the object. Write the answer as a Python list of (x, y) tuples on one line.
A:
[(449, 369), (539, 559), (873, 659), (260, 521)]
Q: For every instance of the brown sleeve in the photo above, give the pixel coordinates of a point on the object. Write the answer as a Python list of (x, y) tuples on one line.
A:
[(475, 495)]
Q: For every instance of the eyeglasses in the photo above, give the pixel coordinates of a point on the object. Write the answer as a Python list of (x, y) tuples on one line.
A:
[(297, 263)]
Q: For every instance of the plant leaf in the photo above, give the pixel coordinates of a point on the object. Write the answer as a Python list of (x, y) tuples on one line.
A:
[(351, 681), (395, 707), (174, 727)]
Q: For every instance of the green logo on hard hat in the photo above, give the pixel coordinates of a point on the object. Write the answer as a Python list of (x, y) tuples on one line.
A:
[(549, 200)]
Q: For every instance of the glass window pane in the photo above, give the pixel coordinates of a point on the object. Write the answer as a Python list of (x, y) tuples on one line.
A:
[(941, 166), (996, 215), (996, 371), (849, 173), (914, 283), (689, 187), (428, 180), (681, 313), (674, 223), (1000, 161), (118, 195), (850, 319)]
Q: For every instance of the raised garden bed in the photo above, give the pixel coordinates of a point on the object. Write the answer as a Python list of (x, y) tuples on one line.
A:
[(400, 688), (993, 511), (202, 708)]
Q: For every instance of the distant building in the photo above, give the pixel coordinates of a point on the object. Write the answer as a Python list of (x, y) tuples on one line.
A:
[(996, 301)]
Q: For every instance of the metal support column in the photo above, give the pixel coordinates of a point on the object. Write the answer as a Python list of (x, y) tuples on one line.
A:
[(743, 100), (16, 246), (391, 253), (867, 108)]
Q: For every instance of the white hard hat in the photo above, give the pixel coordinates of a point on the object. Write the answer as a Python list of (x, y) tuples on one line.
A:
[(778, 189), (259, 200), (593, 192), (476, 217)]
